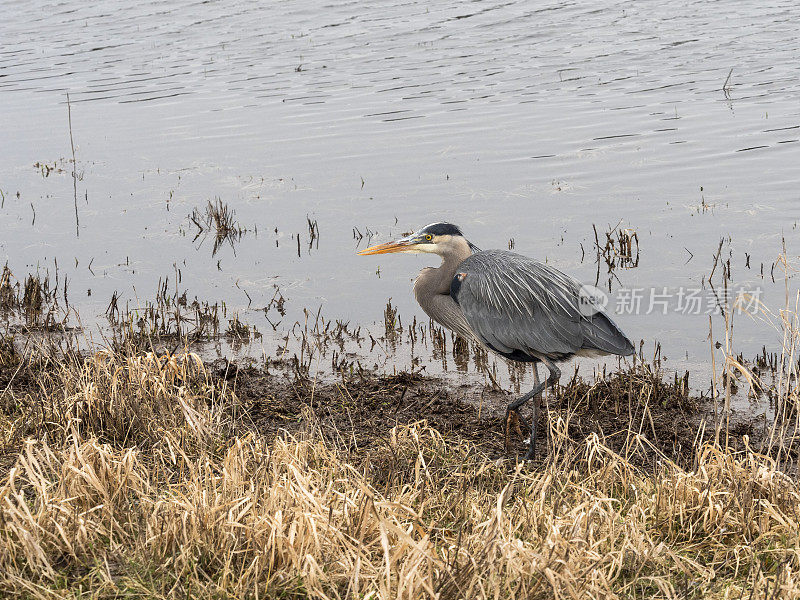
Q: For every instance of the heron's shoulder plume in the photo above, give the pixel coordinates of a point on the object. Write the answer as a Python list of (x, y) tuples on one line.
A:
[(506, 280)]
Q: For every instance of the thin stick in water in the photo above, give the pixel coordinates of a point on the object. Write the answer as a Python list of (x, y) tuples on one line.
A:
[(74, 167), (725, 87)]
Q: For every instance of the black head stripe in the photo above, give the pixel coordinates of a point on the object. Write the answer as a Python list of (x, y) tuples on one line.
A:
[(442, 229)]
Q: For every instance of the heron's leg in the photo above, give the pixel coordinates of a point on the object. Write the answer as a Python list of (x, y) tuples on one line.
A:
[(552, 379), (536, 401), (513, 407)]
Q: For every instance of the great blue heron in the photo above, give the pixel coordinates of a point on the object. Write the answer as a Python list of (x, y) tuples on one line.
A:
[(520, 308)]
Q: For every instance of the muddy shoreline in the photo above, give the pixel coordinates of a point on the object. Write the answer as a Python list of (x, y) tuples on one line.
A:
[(363, 408)]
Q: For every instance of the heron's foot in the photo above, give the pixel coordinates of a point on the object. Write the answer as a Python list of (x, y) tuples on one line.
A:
[(512, 420), (523, 429), (515, 420), (531, 453), (506, 427)]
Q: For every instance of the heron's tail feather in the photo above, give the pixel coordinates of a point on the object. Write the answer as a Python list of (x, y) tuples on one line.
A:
[(601, 333)]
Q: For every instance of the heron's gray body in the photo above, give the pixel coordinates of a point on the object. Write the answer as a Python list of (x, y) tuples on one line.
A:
[(526, 310), (517, 307)]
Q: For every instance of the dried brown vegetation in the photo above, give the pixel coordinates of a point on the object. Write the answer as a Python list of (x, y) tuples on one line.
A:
[(158, 476)]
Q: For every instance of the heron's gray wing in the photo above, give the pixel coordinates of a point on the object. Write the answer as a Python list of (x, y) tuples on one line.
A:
[(515, 305)]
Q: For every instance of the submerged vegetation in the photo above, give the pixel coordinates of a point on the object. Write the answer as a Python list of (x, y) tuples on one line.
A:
[(35, 300), (219, 220)]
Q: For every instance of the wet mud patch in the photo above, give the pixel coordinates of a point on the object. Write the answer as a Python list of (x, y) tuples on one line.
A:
[(359, 411)]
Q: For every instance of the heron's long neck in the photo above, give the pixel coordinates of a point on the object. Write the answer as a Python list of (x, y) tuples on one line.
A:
[(437, 280), (432, 289)]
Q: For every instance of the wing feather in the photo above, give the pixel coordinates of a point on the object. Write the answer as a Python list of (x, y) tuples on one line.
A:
[(519, 306)]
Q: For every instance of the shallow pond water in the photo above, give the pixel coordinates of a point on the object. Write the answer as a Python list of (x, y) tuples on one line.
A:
[(531, 122)]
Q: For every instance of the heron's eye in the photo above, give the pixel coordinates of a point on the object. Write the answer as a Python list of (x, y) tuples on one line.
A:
[(429, 237)]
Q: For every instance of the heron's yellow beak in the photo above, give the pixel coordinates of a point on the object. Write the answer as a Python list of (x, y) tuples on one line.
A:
[(398, 246)]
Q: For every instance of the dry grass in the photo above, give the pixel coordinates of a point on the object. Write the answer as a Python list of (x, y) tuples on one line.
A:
[(132, 476)]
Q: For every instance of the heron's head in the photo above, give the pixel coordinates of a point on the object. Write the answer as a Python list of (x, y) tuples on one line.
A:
[(444, 239)]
